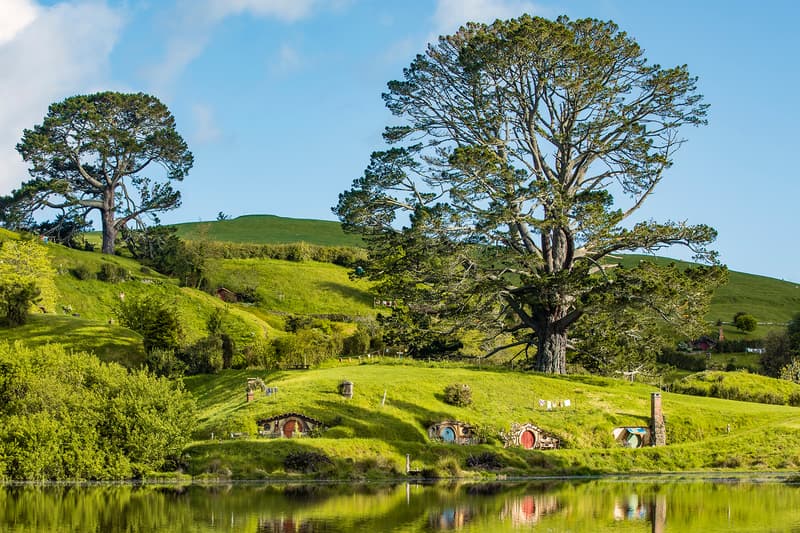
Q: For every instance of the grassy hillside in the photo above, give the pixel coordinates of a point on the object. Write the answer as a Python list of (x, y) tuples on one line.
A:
[(294, 287), (366, 434), (773, 302), (85, 320), (269, 229)]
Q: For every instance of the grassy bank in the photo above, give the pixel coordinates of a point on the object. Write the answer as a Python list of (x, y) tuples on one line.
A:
[(369, 438)]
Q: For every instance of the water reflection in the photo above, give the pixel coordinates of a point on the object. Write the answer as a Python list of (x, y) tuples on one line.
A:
[(596, 505)]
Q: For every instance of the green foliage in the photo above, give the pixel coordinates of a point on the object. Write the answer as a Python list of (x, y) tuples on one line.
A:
[(112, 273), (26, 278), (307, 462), (791, 371), (778, 352), (153, 318), (485, 461), (745, 322), (82, 272), (511, 221), (71, 166), (358, 343), (69, 416), (458, 394), (160, 248), (204, 356)]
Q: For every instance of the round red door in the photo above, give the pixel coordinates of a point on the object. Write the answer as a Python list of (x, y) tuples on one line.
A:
[(527, 439), (289, 427)]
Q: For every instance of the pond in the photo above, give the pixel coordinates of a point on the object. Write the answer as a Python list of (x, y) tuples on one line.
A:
[(654, 504)]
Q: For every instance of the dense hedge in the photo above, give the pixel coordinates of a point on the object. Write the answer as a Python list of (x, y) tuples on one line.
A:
[(347, 256), (70, 416)]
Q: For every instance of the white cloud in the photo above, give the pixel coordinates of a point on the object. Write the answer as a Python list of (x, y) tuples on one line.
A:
[(49, 53), (452, 14), (15, 15), (205, 125), (197, 19)]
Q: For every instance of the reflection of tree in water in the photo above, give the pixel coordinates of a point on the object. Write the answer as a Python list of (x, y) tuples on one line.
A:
[(528, 509)]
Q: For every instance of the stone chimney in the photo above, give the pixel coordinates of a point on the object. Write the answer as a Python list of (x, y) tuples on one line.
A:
[(658, 431)]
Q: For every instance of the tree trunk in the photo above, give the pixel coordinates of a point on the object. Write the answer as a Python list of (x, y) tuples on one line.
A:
[(109, 228), (551, 352)]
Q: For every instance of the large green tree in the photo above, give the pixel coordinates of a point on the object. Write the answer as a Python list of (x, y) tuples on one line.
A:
[(110, 152), (522, 151)]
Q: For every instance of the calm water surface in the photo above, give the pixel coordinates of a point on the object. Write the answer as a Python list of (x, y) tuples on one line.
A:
[(587, 505)]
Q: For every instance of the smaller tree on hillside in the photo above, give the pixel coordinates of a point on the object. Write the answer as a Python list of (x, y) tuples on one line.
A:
[(745, 322), (155, 320)]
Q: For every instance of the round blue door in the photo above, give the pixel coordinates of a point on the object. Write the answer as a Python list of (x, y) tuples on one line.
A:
[(447, 434)]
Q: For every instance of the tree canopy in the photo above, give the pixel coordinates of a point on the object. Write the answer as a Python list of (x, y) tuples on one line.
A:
[(111, 152), (522, 150)]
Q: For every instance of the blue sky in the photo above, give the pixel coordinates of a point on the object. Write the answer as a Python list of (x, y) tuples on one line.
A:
[(280, 102)]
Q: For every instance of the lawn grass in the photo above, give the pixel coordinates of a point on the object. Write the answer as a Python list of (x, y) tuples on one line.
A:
[(367, 437), (110, 343), (307, 287)]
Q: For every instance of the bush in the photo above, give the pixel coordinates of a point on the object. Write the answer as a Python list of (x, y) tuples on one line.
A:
[(165, 363), (745, 322), (204, 356), (686, 361), (152, 318), (88, 420), (112, 273), (82, 272), (306, 462), (15, 301), (458, 394), (485, 461)]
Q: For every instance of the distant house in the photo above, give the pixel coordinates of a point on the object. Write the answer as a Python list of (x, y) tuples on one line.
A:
[(287, 425), (530, 437), (453, 432), (704, 344)]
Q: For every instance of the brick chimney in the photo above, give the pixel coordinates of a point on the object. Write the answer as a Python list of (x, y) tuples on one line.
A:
[(657, 429)]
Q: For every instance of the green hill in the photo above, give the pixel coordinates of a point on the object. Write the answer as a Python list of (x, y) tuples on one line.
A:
[(773, 302), (269, 229), (367, 433)]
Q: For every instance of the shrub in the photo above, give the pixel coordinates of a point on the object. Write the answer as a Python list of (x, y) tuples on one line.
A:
[(306, 462), (794, 399), (165, 363), (82, 272), (152, 318), (745, 322), (101, 421), (458, 394), (112, 273), (485, 461), (204, 356), (15, 301)]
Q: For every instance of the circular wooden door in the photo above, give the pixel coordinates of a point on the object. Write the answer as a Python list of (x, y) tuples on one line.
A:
[(633, 440), (527, 439), (289, 427), (447, 434)]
